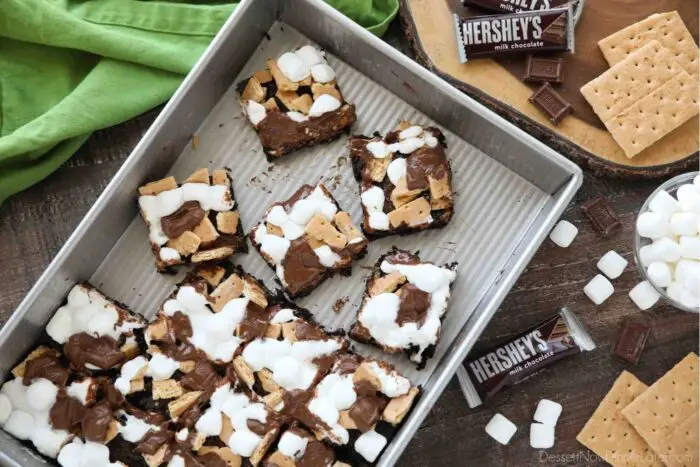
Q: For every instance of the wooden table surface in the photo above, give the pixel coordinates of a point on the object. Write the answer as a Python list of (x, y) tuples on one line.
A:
[(34, 225)]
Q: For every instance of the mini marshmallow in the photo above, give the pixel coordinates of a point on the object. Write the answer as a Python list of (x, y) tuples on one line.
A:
[(660, 274), (664, 204), (293, 67), (598, 289), (378, 221), (255, 112), (541, 436), (5, 409), (297, 116), (292, 445), (666, 249), (322, 73), (563, 234), (547, 412), (685, 270), (370, 444), (41, 394), (85, 454), (652, 225), (396, 170), (169, 254), (688, 198), (324, 103), (161, 367), (675, 291), (689, 300), (20, 425), (379, 149), (644, 295), (501, 429), (612, 264), (310, 55), (684, 223), (407, 146), (690, 247), (326, 256), (411, 132), (646, 255)]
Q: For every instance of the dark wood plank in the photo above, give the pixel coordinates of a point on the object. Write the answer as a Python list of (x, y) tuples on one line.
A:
[(34, 224)]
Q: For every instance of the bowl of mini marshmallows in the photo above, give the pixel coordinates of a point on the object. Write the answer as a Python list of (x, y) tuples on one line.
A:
[(667, 241)]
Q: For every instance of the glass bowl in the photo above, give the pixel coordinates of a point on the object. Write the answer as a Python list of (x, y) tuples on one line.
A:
[(671, 186)]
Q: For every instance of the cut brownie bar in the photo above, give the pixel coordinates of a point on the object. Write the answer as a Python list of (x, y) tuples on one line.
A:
[(195, 222), (404, 304), (405, 180), (295, 102), (308, 238)]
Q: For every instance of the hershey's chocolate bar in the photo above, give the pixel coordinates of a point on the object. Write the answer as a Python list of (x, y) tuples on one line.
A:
[(523, 356), (602, 216), (550, 102), (544, 70), (515, 6), (631, 339), (531, 31)]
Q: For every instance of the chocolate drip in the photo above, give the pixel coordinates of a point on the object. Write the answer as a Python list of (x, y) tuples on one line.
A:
[(368, 407), (210, 460), (95, 422), (296, 406), (66, 412), (190, 416), (187, 217), (254, 323), (46, 366), (303, 192), (413, 305), (202, 378), (111, 394), (257, 427), (153, 440), (347, 363), (317, 454), (302, 268), (425, 162), (102, 352), (309, 332), (181, 325), (402, 257)]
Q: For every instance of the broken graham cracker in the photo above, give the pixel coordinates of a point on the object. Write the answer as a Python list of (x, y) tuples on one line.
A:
[(608, 434), (644, 97), (666, 414), (667, 28)]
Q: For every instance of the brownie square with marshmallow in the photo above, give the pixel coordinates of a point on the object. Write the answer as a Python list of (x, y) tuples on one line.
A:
[(405, 180), (295, 102), (194, 222), (404, 304), (307, 239)]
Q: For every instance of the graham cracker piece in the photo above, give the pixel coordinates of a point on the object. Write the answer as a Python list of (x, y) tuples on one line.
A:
[(634, 78), (666, 414), (608, 434), (667, 28), (656, 115)]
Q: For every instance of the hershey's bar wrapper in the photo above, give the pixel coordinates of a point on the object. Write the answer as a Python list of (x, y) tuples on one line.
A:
[(526, 32), (515, 6), (523, 356)]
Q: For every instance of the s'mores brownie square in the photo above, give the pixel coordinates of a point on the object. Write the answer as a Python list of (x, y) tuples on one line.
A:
[(405, 180), (404, 304), (194, 222), (308, 238), (295, 102)]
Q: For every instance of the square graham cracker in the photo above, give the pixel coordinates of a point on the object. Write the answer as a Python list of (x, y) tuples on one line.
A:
[(608, 434), (666, 414), (667, 28)]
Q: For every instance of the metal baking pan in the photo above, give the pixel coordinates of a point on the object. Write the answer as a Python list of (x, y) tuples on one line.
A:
[(510, 190)]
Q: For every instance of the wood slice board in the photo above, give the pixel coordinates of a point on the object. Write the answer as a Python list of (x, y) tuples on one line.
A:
[(581, 137)]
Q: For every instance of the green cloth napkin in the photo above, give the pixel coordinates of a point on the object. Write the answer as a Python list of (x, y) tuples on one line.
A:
[(70, 67)]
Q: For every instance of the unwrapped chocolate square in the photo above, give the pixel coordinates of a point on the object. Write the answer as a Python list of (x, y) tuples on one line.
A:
[(295, 102)]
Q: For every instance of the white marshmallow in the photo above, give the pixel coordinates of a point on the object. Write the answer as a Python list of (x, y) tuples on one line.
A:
[(20, 425), (379, 149), (685, 270), (646, 255), (407, 146), (297, 116), (274, 246), (696, 182), (501, 429), (5, 409), (563, 234), (378, 221), (598, 289), (660, 274), (665, 204), (310, 55), (169, 254), (396, 170), (666, 249), (292, 445), (326, 256), (688, 198), (85, 454), (644, 295), (277, 216), (547, 412), (41, 394), (690, 247), (161, 367), (684, 223), (293, 67), (392, 383), (689, 299), (411, 132), (541, 436), (256, 112), (373, 199), (177, 461), (322, 73), (652, 225), (612, 264), (370, 444), (675, 291), (324, 103)]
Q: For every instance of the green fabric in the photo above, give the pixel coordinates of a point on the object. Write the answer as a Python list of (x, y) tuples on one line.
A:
[(70, 67)]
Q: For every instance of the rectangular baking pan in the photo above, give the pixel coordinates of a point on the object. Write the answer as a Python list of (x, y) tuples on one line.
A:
[(510, 190)]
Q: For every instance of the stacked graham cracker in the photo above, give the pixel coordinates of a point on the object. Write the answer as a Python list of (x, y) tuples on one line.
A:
[(648, 426), (652, 86)]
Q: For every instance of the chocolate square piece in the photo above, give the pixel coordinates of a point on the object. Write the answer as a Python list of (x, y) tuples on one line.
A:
[(417, 293), (602, 216), (544, 70), (194, 222), (307, 239), (405, 180), (631, 339), (551, 103), (295, 102)]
